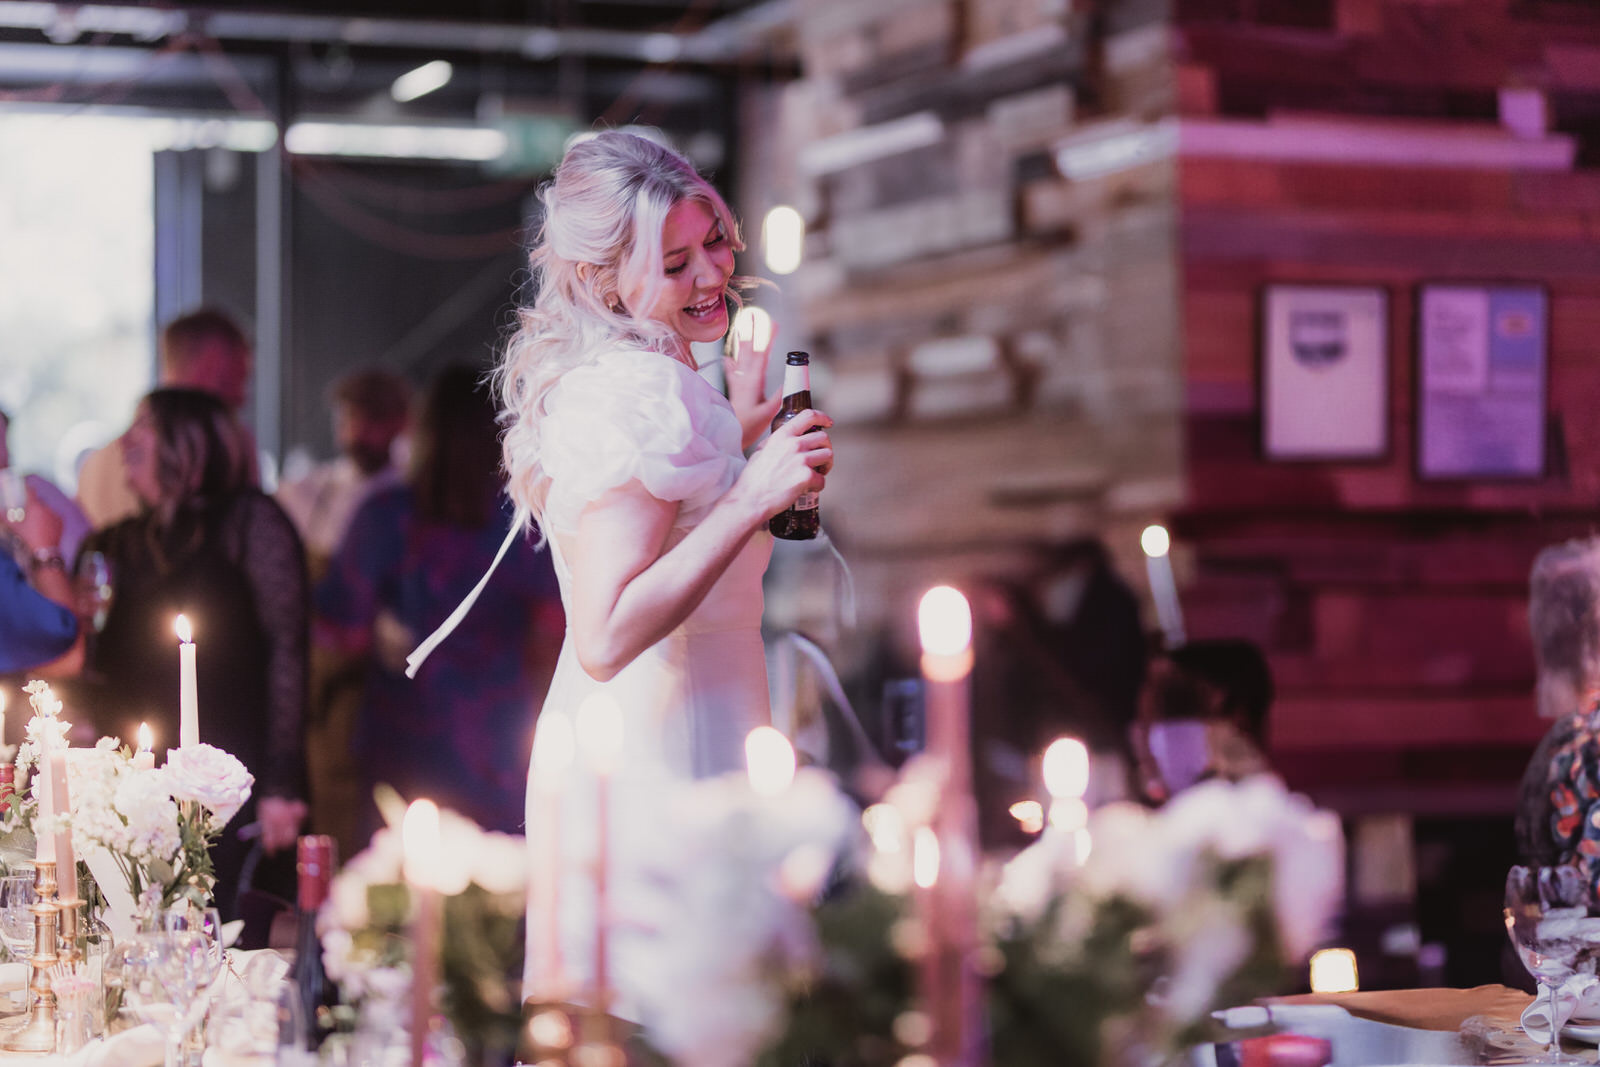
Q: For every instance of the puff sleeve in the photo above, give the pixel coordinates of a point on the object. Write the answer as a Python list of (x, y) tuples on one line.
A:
[(637, 415)]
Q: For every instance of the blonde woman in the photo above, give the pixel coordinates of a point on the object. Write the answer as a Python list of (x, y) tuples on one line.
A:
[(635, 469)]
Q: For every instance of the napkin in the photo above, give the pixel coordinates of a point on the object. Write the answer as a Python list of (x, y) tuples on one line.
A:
[(1544, 1018)]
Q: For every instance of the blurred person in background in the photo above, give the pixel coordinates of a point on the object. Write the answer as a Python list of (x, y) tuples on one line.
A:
[(1204, 715), (371, 410), (210, 545), (460, 733), (202, 350), (73, 523), (39, 633), (1560, 792)]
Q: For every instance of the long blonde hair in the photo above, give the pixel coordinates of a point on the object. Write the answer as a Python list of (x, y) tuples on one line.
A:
[(603, 215)]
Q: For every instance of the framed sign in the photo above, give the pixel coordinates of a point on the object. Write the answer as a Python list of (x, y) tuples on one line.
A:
[(1324, 372), (1481, 380)]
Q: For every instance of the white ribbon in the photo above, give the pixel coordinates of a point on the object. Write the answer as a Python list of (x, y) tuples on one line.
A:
[(423, 651)]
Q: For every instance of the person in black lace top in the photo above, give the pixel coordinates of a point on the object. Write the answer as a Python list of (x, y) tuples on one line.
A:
[(210, 545)]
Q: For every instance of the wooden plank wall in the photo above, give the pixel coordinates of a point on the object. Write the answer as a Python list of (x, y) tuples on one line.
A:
[(1394, 610)]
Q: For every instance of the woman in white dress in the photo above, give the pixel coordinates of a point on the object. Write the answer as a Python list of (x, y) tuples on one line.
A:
[(634, 467)]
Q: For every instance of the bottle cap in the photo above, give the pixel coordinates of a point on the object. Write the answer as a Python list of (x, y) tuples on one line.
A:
[(798, 359)]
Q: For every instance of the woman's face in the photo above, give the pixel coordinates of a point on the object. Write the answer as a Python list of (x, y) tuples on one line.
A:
[(139, 456), (697, 262)]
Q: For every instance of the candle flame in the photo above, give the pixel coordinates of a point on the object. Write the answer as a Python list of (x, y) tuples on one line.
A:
[(885, 826), (1029, 815), (770, 759), (944, 620), (1333, 970), (146, 739), (925, 858), (553, 744), (185, 633), (419, 837), (599, 731), (1155, 540), (1066, 768)]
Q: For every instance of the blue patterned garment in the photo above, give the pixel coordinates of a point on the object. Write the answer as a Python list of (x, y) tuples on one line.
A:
[(1558, 809), (460, 733)]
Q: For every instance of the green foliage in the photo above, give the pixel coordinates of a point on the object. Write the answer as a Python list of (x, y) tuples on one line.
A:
[(844, 1016)]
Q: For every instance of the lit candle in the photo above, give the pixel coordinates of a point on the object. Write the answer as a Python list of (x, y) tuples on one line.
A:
[(770, 761), (552, 758), (1157, 547), (944, 621), (419, 837), (145, 758), (188, 700), (66, 858), (1066, 778), (599, 730)]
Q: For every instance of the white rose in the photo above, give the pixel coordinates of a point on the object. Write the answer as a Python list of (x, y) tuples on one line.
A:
[(207, 774)]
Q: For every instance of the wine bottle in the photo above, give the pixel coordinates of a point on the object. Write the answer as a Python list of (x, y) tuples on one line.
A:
[(314, 864), (802, 519)]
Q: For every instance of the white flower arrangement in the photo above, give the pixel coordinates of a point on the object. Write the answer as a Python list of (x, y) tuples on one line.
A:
[(735, 878), (156, 824), (363, 924)]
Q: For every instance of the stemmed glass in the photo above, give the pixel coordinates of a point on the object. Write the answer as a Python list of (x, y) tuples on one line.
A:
[(162, 975), (1541, 904), (17, 897), (93, 586)]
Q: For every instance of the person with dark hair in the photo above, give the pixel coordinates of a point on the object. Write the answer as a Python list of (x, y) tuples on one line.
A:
[(460, 733), (371, 410), (211, 546), (1204, 715), (204, 350)]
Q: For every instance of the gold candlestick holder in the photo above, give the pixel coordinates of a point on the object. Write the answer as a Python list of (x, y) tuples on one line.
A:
[(38, 1033), (70, 924)]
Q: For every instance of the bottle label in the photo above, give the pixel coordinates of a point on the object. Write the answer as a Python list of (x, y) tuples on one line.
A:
[(796, 380), (807, 502)]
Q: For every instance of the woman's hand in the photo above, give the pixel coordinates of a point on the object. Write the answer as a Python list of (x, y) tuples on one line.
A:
[(746, 372), (794, 460), (40, 527)]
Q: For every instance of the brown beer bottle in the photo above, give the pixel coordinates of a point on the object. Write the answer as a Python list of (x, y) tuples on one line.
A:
[(802, 520)]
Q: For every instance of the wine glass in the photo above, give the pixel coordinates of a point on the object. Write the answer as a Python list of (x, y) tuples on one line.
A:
[(207, 922), (92, 584), (13, 495), (17, 897), (1542, 905), (178, 964)]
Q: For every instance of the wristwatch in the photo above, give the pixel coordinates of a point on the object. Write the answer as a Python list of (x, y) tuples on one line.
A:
[(48, 556)]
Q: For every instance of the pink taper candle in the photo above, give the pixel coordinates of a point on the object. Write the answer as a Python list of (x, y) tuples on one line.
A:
[(419, 835), (944, 620)]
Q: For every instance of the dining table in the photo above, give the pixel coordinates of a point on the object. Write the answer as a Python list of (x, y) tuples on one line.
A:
[(1391, 1028)]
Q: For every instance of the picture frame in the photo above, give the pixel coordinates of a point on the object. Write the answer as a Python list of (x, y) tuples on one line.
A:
[(1323, 372), (1482, 381)]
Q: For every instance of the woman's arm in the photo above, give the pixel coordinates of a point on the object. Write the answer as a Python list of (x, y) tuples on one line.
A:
[(631, 589)]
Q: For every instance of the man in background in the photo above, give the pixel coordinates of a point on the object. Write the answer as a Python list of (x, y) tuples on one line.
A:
[(204, 349), (371, 410)]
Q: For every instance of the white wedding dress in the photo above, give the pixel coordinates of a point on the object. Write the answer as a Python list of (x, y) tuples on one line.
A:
[(689, 700)]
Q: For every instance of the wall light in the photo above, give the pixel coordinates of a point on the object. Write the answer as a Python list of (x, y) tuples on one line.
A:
[(783, 234), (422, 81)]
